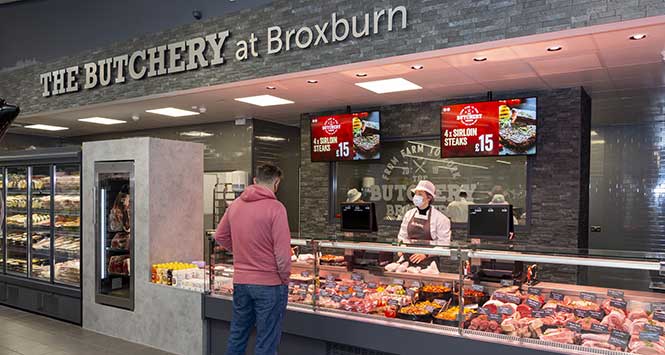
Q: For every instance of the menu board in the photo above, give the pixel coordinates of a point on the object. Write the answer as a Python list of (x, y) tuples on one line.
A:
[(353, 136), (490, 128)]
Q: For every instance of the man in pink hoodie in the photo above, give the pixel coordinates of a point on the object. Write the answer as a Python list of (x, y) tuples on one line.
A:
[(255, 229)]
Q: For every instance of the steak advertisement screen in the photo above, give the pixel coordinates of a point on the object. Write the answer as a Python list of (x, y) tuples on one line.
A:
[(353, 136), (491, 128)]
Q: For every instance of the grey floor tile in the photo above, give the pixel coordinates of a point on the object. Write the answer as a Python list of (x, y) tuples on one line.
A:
[(23, 333)]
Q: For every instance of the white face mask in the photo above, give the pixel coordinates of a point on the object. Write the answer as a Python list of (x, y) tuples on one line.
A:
[(418, 200)]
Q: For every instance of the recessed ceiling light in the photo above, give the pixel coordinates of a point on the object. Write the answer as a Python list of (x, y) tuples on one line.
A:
[(389, 85), (598, 141), (361, 75), (479, 59), (264, 100), (173, 112), (197, 134), (594, 133), (101, 120), (638, 36), (271, 87), (554, 48), (312, 81), (45, 127), (417, 67)]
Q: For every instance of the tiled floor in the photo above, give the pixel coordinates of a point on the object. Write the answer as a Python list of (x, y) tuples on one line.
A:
[(23, 333)]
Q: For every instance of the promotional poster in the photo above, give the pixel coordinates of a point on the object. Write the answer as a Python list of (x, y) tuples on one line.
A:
[(353, 136), (490, 128)]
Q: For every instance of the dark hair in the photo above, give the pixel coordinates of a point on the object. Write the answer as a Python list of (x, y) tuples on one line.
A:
[(268, 173), (463, 194)]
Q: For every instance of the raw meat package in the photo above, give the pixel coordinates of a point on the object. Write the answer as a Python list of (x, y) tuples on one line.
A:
[(119, 265), (121, 240)]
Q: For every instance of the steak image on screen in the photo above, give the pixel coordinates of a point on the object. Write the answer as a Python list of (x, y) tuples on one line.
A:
[(367, 138), (517, 133)]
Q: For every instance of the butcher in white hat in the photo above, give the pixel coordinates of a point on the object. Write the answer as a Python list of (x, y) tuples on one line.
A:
[(424, 223)]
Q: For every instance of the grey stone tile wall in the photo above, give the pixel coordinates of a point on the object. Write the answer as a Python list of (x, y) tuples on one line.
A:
[(432, 25)]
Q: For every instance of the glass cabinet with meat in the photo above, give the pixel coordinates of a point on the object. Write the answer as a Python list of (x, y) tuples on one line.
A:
[(40, 228), (303, 272), (114, 211), (67, 224), (570, 301), (42, 215), (17, 221), (43, 278)]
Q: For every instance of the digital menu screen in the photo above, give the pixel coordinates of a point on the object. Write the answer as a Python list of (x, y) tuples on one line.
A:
[(353, 136), (490, 128)]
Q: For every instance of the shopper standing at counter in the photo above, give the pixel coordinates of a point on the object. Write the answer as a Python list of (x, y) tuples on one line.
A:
[(256, 229), (424, 223)]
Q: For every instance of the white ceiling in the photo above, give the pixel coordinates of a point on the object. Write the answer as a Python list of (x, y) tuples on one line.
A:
[(601, 58)]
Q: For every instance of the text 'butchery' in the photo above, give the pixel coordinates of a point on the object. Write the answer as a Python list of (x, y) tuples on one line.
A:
[(209, 51)]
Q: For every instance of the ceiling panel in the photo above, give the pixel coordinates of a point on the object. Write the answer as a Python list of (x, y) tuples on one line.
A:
[(566, 64), (571, 79), (634, 56), (493, 55), (492, 71), (570, 46), (620, 39)]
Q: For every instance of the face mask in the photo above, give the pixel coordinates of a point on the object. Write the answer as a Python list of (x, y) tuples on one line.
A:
[(418, 200)]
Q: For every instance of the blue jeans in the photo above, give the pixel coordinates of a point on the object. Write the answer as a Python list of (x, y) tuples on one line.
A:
[(263, 306)]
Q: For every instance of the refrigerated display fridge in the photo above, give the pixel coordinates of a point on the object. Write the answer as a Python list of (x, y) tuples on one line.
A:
[(40, 250), (114, 211)]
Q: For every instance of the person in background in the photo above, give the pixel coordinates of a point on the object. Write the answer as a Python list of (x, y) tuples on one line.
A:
[(424, 222), (499, 199), (458, 211), (354, 195), (255, 229)]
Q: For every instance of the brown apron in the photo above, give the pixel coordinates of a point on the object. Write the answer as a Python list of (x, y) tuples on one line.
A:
[(419, 229)]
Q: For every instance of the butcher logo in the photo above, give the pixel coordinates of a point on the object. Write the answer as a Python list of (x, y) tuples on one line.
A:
[(331, 126), (469, 115)]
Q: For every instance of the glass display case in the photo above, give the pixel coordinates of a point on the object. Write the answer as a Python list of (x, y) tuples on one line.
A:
[(507, 294), (36, 222), (114, 211)]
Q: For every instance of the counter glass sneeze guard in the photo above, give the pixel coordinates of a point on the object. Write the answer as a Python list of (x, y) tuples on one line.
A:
[(514, 307)]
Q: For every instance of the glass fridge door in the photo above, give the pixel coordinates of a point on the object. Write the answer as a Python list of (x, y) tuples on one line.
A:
[(114, 211), (40, 228), (3, 213), (67, 231), (17, 221)]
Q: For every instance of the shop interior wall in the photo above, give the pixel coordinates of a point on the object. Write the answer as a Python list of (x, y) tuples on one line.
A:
[(286, 154), (627, 191), (27, 142), (104, 22), (555, 174)]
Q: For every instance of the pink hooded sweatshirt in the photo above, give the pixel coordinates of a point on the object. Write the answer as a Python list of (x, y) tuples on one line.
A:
[(256, 229)]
